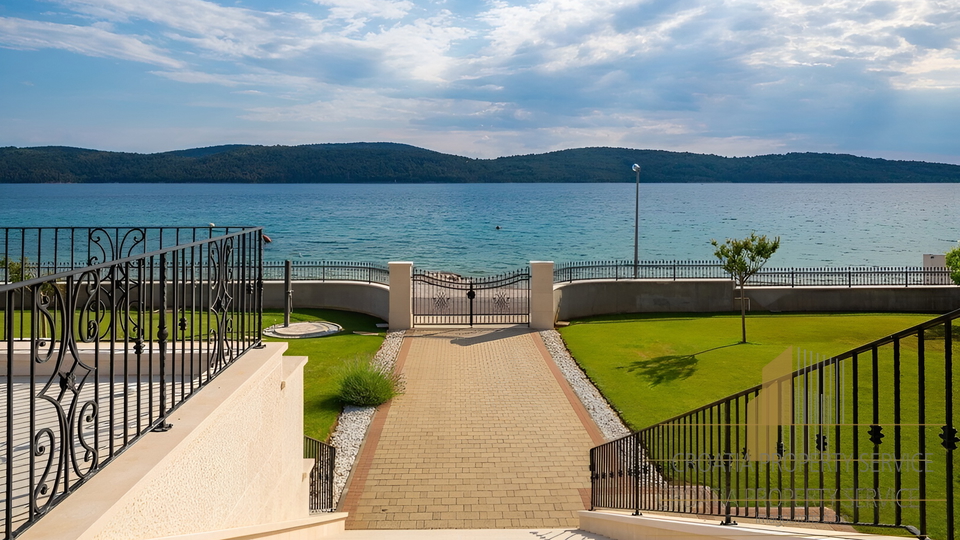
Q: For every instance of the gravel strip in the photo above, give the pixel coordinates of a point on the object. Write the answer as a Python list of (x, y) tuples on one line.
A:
[(600, 410), (353, 422), (609, 422)]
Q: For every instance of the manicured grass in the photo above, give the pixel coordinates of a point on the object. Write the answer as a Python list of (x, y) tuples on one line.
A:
[(320, 403), (652, 367)]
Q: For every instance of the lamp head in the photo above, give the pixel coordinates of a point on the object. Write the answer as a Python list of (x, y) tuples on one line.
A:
[(636, 168)]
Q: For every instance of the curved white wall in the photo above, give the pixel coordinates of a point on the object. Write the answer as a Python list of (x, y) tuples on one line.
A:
[(370, 298)]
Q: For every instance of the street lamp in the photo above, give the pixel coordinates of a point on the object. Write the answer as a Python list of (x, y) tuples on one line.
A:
[(636, 224)]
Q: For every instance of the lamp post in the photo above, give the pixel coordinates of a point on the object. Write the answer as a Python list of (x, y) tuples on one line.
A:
[(636, 225)]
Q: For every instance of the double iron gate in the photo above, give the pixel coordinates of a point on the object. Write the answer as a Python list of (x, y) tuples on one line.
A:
[(442, 298)]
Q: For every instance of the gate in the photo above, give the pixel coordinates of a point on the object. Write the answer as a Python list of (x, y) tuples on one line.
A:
[(442, 298)]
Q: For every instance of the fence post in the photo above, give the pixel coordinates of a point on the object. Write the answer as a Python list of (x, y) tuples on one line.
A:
[(542, 315), (162, 339), (401, 296), (288, 292), (636, 469), (728, 464), (8, 487)]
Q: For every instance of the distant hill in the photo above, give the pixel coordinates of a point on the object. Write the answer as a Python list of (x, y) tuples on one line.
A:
[(390, 162)]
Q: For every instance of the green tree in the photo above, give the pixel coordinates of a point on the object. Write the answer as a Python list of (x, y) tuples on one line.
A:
[(15, 271), (953, 264), (742, 259)]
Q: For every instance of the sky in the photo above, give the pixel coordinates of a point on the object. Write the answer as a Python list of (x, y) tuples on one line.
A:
[(486, 78)]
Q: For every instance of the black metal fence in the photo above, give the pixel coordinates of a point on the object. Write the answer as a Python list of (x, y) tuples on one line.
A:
[(868, 437), (94, 358), (328, 271), (440, 298), (324, 459), (768, 277), (41, 251)]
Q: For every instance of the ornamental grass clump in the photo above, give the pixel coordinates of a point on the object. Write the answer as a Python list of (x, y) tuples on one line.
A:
[(365, 384)]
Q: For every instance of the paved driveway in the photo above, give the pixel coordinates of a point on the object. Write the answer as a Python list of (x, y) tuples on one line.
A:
[(487, 435)]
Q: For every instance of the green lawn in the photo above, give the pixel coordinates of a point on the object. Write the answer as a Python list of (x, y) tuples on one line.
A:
[(320, 405), (652, 367)]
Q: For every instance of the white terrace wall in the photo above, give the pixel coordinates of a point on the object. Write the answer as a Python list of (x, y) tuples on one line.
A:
[(231, 467), (599, 297), (370, 298)]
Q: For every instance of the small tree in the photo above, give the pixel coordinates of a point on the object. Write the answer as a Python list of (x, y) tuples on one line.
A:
[(15, 271), (742, 259), (952, 260)]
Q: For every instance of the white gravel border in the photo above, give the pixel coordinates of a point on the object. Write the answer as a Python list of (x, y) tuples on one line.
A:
[(599, 409), (353, 422)]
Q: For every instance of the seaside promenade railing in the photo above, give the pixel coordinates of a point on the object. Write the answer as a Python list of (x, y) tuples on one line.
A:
[(328, 271), (94, 358), (868, 437), (768, 277)]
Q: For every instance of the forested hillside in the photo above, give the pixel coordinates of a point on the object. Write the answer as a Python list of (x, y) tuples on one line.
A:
[(389, 162)]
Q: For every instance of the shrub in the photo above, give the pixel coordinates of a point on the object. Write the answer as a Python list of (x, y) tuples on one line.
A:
[(953, 264), (364, 384)]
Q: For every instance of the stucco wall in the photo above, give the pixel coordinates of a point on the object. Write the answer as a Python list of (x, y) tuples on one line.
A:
[(370, 298), (908, 299), (234, 458), (588, 298)]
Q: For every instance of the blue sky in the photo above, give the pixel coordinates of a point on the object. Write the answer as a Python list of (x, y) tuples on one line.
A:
[(486, 78)]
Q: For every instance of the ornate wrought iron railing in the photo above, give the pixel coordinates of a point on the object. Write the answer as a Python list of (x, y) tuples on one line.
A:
[(768, 277), (324, 459), (328, 271), (41, 251), (868, 437), (94, 358)]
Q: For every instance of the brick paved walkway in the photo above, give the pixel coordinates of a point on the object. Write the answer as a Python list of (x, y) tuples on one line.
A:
[(487, 435)]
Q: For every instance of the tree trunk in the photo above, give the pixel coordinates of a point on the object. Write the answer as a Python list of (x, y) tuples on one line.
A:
[(743, 314)]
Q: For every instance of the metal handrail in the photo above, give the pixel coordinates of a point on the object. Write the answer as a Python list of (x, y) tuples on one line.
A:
[(364, 272), (324, 459), (826, 442), (96, 357), (767, 277)]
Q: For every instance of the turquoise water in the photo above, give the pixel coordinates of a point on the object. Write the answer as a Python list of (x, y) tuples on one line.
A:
[(453, 227)]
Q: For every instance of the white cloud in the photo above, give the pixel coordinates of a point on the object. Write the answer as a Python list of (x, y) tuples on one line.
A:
[(258, 78), (872, 35), (420, 50), (88, 40), (362, 9), (229, 31)]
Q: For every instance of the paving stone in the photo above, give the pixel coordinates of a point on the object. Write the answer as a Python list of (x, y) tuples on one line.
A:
[(484, 436)]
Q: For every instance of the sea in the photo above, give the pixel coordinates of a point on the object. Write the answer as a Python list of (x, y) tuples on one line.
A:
[(483, 229)]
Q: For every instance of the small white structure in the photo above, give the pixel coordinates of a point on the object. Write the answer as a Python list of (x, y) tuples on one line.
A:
[(934, 261)]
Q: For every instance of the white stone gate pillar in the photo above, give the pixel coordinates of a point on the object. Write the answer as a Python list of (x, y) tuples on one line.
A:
[(401, 295), (541, 295)]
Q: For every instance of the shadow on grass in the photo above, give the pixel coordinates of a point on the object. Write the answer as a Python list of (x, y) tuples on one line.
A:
[(669, 368), (324, 403)]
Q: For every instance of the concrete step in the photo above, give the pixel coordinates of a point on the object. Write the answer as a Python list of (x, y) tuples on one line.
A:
[(468, 534)]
